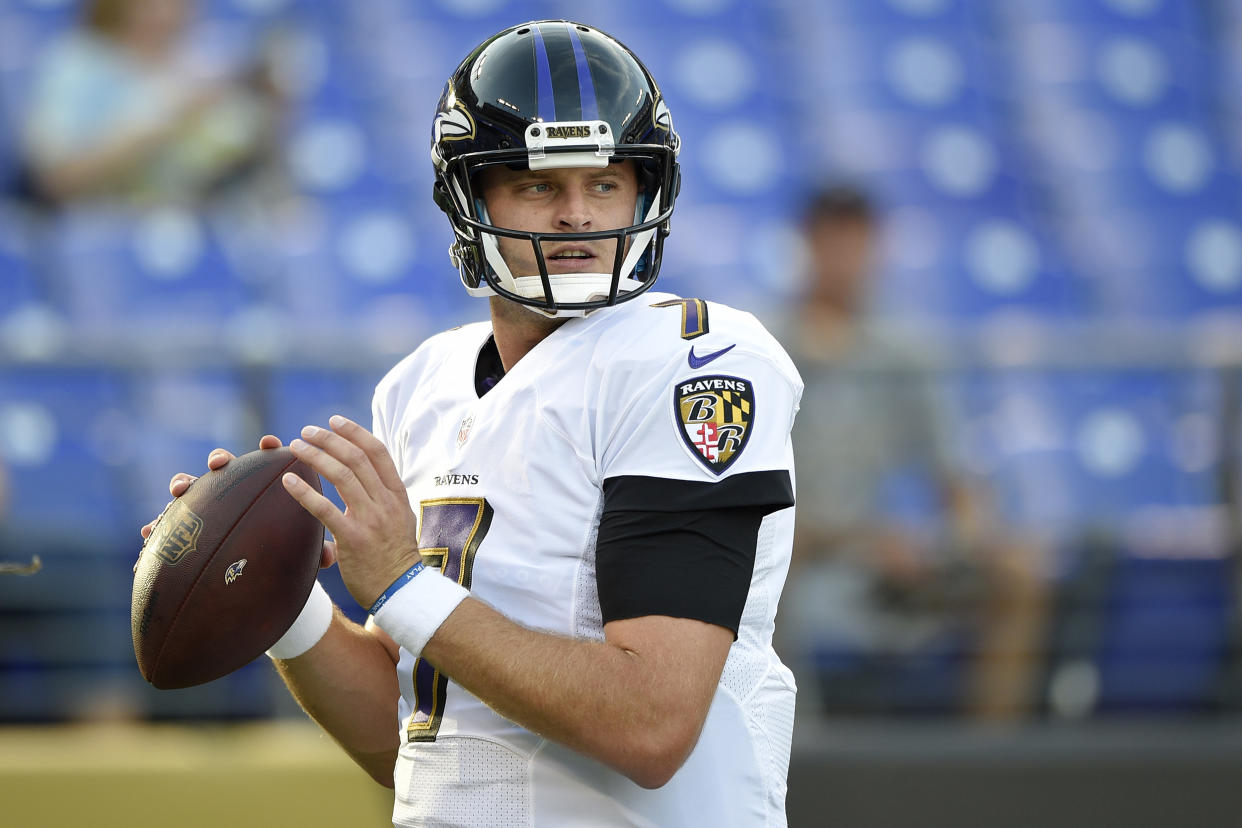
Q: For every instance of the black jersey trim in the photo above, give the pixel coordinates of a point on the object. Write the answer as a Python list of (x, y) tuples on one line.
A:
[(771, 489), (683, 548), (690, 564)]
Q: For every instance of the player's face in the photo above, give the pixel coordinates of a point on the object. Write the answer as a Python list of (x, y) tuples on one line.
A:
[(573, 200)]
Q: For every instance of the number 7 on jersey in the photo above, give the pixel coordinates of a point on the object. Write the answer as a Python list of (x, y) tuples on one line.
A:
[(450, 531)]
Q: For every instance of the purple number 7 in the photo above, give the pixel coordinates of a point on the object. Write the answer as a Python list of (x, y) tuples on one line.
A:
[(450, 532), (693, 316)]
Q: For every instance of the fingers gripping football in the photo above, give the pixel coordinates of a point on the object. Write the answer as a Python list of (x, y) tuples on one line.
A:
[(217, 459), (376, 535)]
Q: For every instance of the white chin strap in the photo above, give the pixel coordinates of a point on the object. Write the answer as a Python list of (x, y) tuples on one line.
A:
[(567, 287)]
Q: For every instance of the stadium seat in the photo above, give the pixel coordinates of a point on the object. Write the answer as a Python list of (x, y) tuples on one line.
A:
[(973, 266), (371, 267), (179, 416), (1164, 265), (57, 437), (937, 69), (1068, 452), (162, 273), (20, 284), (890, 14), (1154, 15), (1157, 74), (1164, 635)]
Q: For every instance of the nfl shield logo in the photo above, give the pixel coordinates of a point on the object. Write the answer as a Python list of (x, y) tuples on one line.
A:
[(715, 415), (463, 433), (178, 536)]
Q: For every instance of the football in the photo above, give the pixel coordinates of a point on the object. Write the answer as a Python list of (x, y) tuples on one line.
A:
[(226, 570)]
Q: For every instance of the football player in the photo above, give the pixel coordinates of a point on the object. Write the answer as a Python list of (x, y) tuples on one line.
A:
[(571, 525)]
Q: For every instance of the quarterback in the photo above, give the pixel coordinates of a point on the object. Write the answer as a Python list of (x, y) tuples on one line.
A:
[(571, 524)]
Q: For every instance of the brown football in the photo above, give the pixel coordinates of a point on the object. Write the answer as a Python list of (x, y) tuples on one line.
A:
[(225, 572)]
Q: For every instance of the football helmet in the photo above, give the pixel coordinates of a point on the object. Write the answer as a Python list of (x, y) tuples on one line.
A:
[(544, 95)]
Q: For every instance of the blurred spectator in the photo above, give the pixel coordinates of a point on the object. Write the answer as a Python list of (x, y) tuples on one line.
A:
[(4, 509), (120, 111), (10, 548), (871, 589)]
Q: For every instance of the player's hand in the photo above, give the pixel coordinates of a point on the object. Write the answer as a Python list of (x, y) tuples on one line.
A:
[(218, 459), (377, 534)]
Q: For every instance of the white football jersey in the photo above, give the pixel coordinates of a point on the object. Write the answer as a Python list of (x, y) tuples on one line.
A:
[(508, 488)]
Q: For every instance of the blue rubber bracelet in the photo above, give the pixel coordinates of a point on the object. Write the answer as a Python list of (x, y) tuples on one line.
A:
[(396, 585)]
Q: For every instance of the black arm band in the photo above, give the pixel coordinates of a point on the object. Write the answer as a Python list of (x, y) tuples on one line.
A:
[(683, 549)]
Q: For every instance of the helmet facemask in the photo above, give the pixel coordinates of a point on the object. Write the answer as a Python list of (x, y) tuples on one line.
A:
[(637, 252)]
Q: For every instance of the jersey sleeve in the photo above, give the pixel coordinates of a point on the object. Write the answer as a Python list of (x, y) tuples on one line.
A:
[(692, 462), (730, 417)]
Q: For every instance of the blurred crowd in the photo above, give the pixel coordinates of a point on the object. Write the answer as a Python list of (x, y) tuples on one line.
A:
[(1020, 444)]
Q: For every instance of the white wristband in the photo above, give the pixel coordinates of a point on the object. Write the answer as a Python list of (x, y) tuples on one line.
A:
[(312, 624), (415, 611)]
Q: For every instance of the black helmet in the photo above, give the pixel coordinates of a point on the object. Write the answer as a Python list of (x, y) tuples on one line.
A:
[(554, 94)]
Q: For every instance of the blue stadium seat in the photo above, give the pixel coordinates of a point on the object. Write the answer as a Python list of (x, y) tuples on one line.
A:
[(893, 14), (161, 272), (907, 158), (1154, 74), (1070, 451), (933, 69), (59, 438), (1129, 14), (300, 397), (19, 283), (929, 681), (1167, 264), (38, 21), (180, 415), (1164, 634), (975, 265), (371, 267)]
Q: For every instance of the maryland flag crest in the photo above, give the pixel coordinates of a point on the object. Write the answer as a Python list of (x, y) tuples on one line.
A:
[(715, 415)]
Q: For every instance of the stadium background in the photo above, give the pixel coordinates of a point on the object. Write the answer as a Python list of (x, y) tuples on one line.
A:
[(1060, 185)]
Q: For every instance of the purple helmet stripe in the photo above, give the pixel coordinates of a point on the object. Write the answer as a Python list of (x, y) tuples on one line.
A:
[(547, 99), (590, 108)]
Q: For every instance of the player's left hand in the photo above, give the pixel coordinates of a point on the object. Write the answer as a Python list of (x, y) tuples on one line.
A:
[(377, 534)]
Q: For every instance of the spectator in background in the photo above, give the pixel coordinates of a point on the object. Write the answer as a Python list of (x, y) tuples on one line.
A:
[(5, 541), (120, 112), (4, 492), (10, 546), (863, 582)]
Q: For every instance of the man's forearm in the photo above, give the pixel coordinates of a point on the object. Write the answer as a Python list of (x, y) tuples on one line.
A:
[(347, 683), (634, 707)]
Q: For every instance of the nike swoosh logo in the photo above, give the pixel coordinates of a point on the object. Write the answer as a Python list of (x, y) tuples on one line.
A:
[(697, 362)]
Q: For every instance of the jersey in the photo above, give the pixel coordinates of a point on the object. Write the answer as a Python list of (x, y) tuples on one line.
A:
[(508, 488)]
